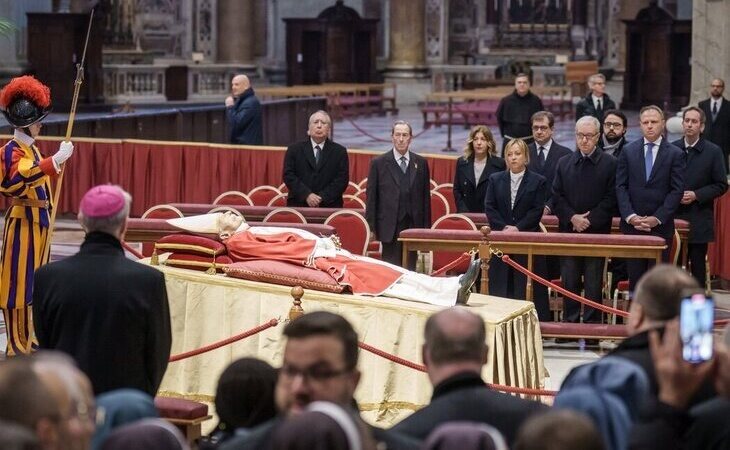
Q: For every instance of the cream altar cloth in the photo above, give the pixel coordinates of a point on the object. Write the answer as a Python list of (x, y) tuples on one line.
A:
[(208, 308)]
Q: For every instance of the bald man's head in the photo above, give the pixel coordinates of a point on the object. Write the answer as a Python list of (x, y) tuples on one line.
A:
[(239, 84), (455, 335)]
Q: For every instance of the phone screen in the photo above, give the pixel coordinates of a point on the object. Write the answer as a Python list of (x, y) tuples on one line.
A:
[(695, 327)]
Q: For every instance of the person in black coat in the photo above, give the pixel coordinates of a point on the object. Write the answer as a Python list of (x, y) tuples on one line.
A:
[(398, 194), (514, 202), (597, 101), (108, 312), (480, 160), (516, 109), (544, 156), (316, 171), (717, 112), (584, 195), (649, 186), (705, 179), (243, 111), (454, 352)]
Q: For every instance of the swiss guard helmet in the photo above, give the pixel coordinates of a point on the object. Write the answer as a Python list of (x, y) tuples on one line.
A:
[(25, 101)]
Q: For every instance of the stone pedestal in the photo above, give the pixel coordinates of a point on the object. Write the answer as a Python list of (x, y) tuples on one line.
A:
[(235, 31), (710, 46)]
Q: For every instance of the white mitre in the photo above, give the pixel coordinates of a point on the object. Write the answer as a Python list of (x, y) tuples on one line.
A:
[(205, 223)]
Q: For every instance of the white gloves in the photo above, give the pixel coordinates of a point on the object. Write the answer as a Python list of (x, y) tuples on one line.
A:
[(64, 152)]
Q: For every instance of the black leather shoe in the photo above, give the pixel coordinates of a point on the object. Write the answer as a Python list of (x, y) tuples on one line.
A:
[(466, 281)]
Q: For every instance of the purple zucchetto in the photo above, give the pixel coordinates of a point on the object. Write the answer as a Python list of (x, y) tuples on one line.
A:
[(102, 201)]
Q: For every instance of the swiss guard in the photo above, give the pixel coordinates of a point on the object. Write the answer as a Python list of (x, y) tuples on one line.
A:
[(26, 179)]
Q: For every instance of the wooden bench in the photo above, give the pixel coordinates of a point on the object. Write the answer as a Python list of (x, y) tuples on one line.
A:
[(187, 415), (576, 76), (530, 243), (583, 330)]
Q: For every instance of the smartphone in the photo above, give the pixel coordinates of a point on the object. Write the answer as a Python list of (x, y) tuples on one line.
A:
[(695, 327)]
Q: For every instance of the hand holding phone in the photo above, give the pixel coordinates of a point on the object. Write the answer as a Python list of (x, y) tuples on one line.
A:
[(695, 327)]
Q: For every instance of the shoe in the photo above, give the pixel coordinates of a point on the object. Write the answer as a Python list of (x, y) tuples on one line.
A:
[(466, 281)]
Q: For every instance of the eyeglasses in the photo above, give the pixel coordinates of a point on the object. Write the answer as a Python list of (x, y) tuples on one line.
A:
[(540, 128), (316, 373), (613, 125), (581, 136)]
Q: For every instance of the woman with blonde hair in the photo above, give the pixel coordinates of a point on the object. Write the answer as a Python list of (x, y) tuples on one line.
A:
[(480, 160), (514, 202)]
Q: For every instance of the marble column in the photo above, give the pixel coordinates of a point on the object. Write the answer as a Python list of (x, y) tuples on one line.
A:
[(235, 32), (407, 39), (710, 48)]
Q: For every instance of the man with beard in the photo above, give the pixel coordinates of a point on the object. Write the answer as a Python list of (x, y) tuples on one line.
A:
[(614, 128), (612, 142)]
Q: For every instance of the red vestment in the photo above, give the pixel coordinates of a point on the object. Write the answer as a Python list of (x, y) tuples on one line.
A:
[(363, 276)]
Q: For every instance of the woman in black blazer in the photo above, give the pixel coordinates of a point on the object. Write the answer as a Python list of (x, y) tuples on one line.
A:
[(514, 202), (480, 160)]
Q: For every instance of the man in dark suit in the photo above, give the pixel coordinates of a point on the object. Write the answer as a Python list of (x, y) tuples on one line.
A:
[(705, 179), (316, 171), (514, 111), (108, 312), (597, 101), (398, 194), (243, 111), (544, 156), (454, 352), (717, 112), (649, 186), (584, 194)]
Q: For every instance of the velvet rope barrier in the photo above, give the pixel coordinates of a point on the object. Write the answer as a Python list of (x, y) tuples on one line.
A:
[(563, 291), (422, 368), (463, 257), (578, 298), (230, 340)]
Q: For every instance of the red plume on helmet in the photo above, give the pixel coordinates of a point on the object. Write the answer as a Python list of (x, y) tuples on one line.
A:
[(25, 101)]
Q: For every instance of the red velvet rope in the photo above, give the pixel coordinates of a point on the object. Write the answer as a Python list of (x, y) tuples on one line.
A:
[(578, 298), (422, 368), (230, 340), (463, 257), (128, 248), (563, 291)]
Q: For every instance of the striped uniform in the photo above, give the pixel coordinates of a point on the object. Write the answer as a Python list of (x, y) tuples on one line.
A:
[(25, 175)]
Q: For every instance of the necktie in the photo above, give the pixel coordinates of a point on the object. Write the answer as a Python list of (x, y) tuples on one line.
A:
[(648, 159), (317, 153), (714, 111), (403, 165), (541, 156), (598, 107)]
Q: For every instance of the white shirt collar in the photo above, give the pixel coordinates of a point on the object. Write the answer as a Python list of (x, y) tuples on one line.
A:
[(596, 99), (397, 156), (516, 176), (546, 147), (23, 138), (321, 146), (656, 143), (687, 144)]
